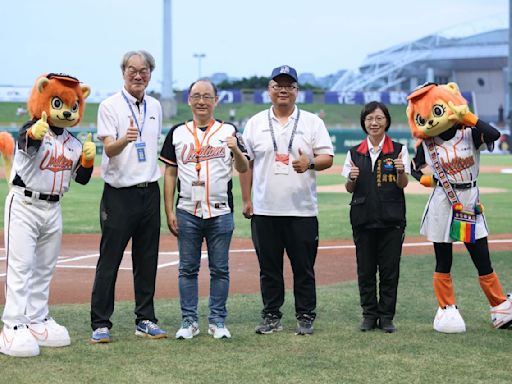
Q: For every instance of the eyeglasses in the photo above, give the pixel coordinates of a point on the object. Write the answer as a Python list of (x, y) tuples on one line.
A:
[(288, 88), (143, 72), (378, 119), (207, 98)]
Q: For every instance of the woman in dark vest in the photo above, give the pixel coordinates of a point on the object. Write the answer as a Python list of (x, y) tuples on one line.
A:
[(376, 172)]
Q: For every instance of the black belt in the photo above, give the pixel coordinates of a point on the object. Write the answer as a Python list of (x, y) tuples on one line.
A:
[(140, 185), (461, 185), (42, 196)]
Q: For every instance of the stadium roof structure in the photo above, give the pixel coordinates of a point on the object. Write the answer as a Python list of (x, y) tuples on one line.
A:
[(389, 68)]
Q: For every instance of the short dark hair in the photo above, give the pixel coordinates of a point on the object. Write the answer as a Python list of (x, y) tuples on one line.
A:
[(206, 80), (372, 106)]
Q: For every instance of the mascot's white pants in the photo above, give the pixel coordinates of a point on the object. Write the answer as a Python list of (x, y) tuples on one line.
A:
[(32, 233), (437, 217)]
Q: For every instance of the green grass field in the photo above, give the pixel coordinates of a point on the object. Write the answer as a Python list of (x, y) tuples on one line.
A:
[(81, 205), (337, 353)]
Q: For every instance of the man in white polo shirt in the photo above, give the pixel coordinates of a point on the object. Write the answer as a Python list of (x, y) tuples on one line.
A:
[(129, 124), (286, 146)]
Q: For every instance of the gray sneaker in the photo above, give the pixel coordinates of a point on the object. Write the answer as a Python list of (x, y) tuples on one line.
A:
[(269, 324), (305, 325)]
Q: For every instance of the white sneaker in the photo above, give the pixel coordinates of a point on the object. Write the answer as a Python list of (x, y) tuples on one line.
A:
[(18, 341), (50, 334), (188, 330), (219, 331), (449, 320), (501, 315)]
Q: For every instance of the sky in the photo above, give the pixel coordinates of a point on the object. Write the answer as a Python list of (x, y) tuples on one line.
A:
[(243, 38)]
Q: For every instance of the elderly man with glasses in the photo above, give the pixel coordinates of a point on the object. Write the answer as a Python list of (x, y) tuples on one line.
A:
[(130, 125), (287, 146)]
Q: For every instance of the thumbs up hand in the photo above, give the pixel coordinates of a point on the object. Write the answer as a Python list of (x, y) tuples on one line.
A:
[(39, 129), (354, 171), (132, 133), (232, 144), (399, 164), (301, 164), (88, 152), (89, 148)]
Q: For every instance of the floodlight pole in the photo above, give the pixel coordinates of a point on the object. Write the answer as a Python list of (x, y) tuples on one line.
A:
[(199, 57), (167, 98)]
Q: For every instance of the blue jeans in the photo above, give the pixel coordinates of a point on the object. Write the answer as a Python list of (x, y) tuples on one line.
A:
[(218, 232)]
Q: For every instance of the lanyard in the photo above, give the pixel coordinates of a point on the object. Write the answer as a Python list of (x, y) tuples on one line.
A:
[(292, 135), (198, 144), (447, 187), (133, 115)]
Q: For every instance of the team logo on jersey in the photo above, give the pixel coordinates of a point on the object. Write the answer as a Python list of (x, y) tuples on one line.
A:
[(207, 152), (457, 164), (55, 163)]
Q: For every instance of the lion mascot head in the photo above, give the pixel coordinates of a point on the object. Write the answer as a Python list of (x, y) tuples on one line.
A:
[(435, 108), (61, 97)]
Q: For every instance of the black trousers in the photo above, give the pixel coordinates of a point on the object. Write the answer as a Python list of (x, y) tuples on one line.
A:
[(479, 252), (127, 213), (272, 235), (378, 249)]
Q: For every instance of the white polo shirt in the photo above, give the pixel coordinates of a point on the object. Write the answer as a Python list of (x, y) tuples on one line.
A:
[(125, 169), (215, 161), (291, 194)]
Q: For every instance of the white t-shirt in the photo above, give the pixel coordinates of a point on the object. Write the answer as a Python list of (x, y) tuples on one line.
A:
[(291, 194), (125, 169)]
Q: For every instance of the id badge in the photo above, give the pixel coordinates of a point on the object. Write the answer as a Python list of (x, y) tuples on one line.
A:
[(281, 164), (280, 168), (198, 191), (141, 151)]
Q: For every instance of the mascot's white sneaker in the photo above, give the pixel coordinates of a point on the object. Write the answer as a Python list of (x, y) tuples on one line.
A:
[(50, 334), (18, 341), (501, 315), (449, 320)]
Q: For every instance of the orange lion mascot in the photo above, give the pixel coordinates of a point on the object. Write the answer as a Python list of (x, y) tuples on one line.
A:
[(46, 159), (451, 140)]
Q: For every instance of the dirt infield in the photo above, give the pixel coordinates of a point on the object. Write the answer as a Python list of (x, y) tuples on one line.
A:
[(73, 279)]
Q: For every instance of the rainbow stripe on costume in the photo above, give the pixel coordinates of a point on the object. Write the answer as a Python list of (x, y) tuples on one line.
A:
[(463, 226)]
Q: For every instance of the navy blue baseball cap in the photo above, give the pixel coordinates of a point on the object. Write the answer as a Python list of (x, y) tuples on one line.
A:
[(284, 70)]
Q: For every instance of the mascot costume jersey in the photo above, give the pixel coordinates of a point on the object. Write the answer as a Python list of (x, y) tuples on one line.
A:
[(451, 140), (47, 157)]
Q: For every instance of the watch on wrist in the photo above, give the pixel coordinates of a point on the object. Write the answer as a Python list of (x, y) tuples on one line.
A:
[(311, 164)]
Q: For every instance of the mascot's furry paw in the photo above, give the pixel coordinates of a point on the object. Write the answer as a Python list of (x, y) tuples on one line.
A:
[(428, 181), (39, 129), (88, 152)]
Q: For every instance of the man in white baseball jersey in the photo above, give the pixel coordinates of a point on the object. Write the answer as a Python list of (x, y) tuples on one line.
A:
[(130, 124), (46, 159), (286, 146), (199, 156)]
